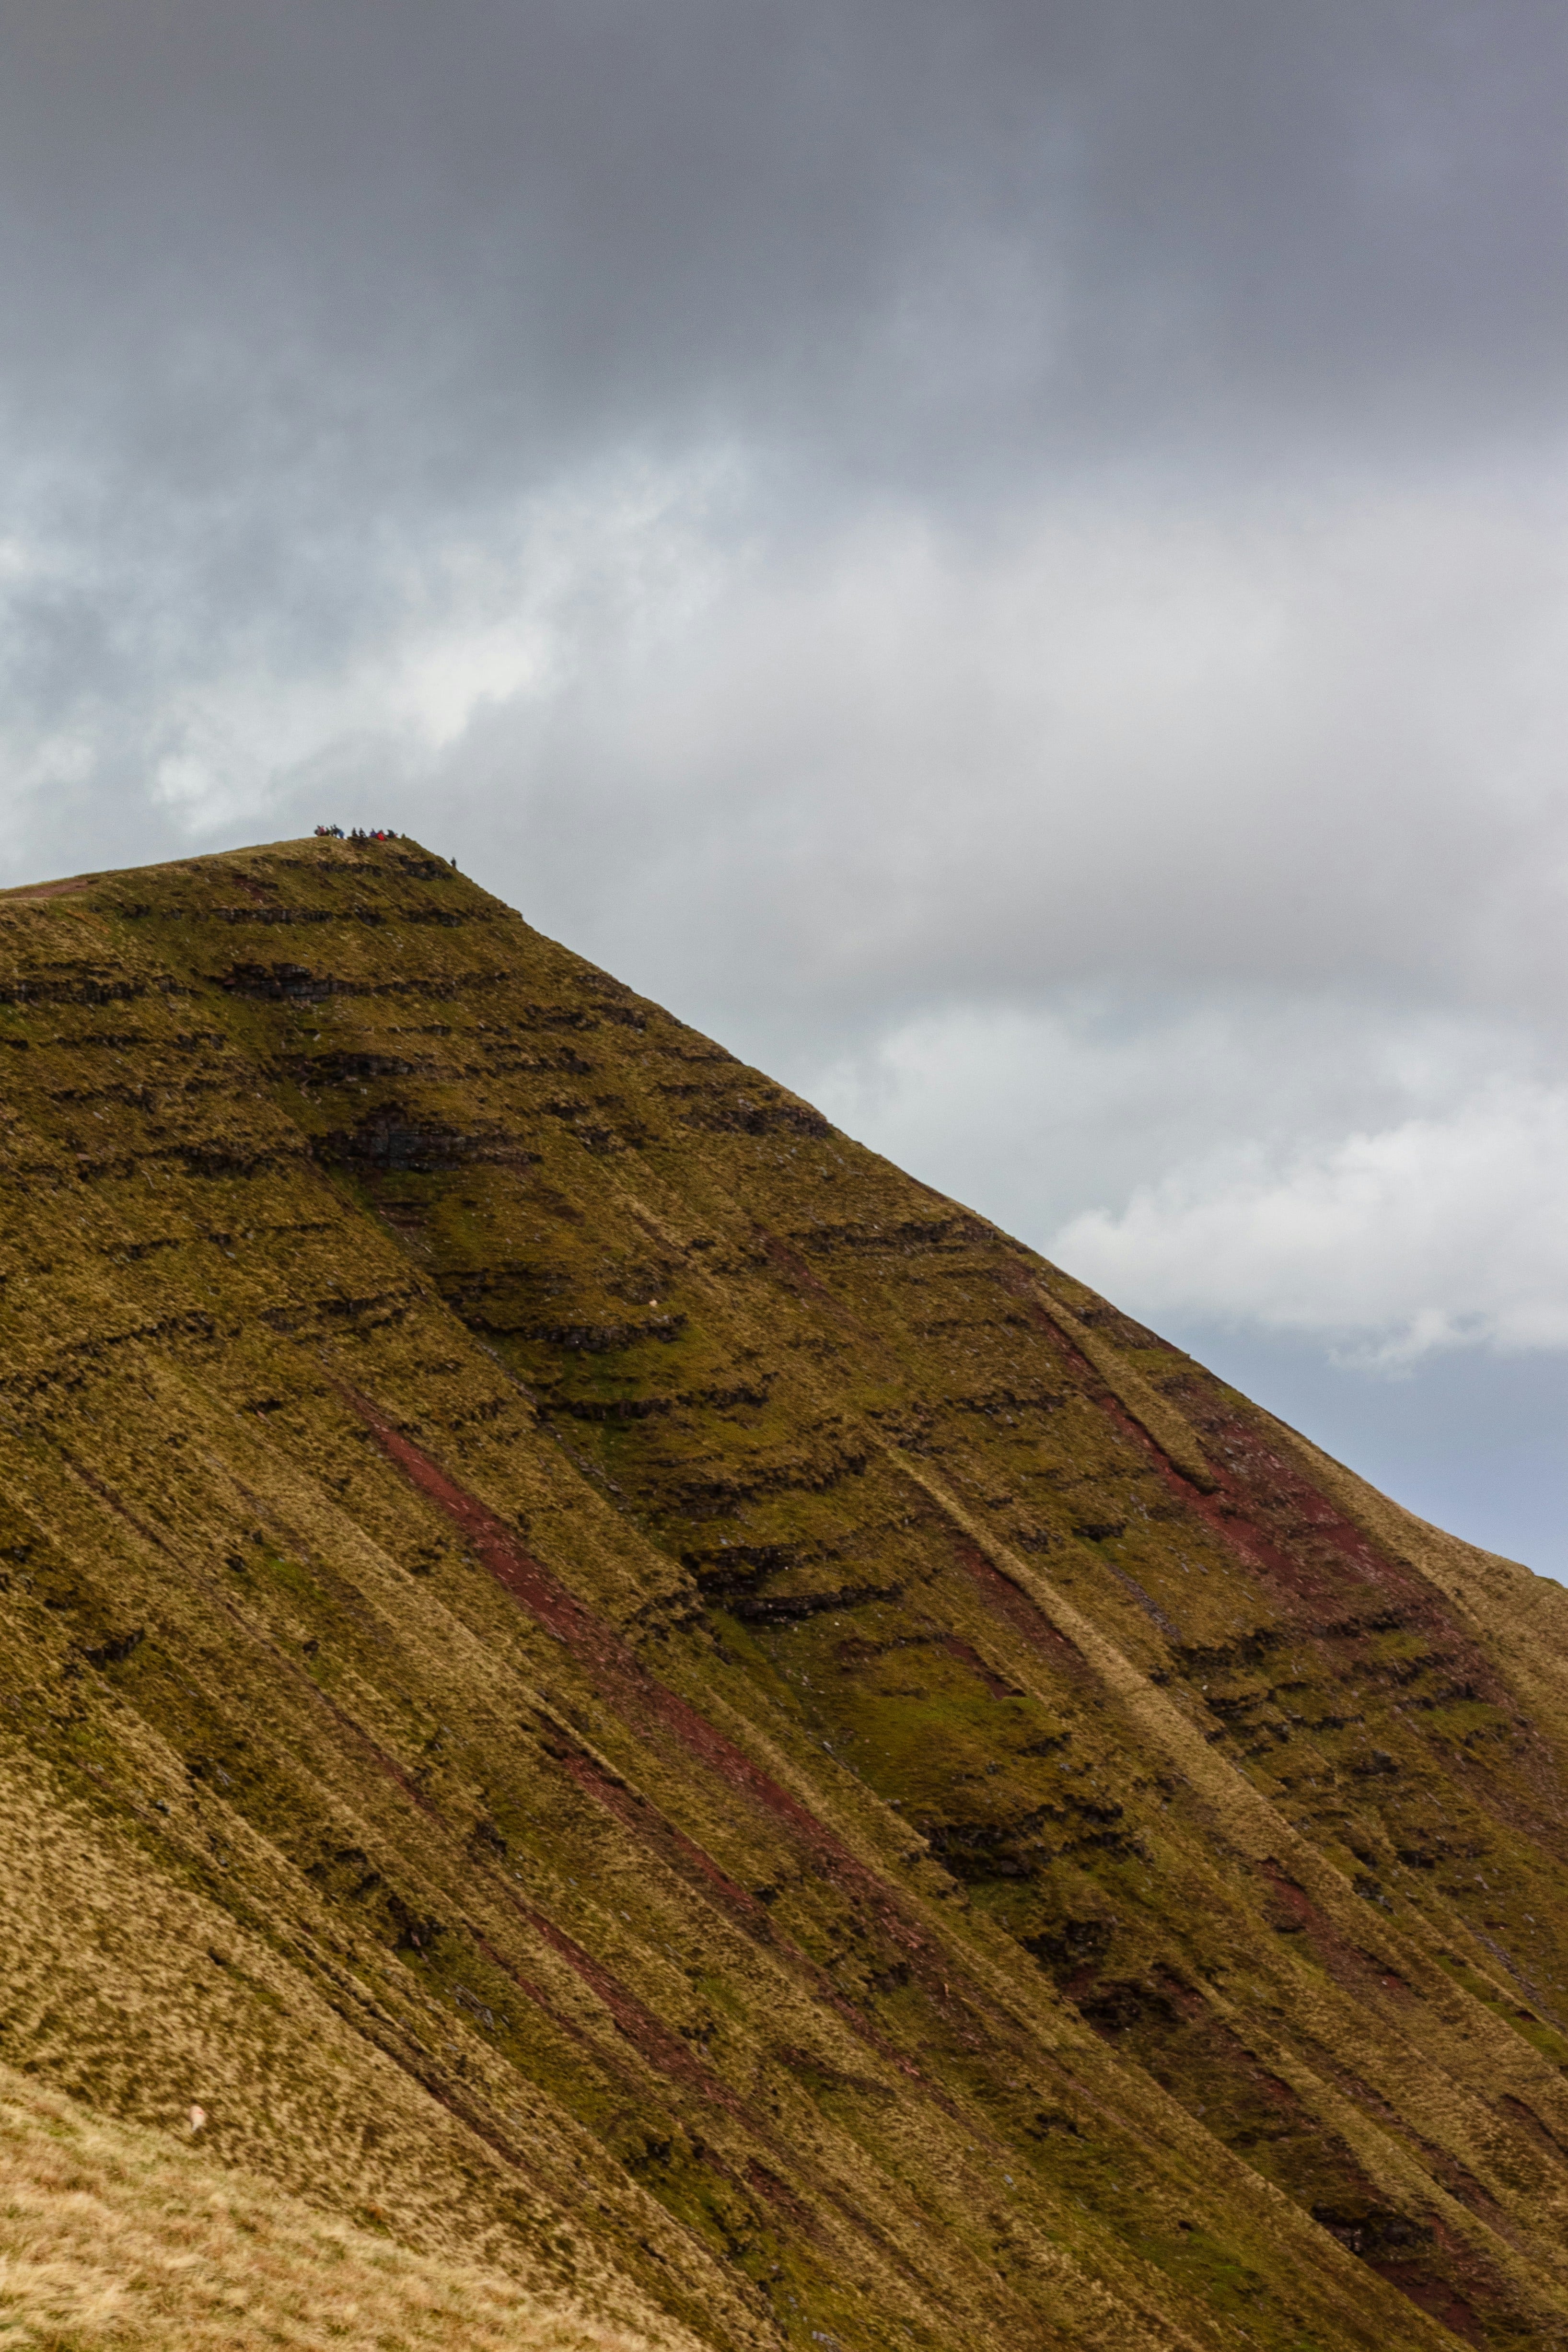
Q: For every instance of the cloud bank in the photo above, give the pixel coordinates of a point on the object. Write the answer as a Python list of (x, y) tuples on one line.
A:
[(1439, 1232)]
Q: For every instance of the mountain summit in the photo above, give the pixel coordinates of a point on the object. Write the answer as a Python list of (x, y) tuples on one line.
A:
[(599, 1686)]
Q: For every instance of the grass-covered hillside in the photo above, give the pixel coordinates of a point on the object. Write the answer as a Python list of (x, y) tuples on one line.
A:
[(670, 1737)]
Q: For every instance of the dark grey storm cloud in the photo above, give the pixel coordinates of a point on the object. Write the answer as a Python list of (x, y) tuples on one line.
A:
[(453, 240), (292, 291), (295, 295), (297, 299)]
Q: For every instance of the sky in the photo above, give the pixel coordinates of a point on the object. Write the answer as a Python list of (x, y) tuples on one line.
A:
[(1010, 562)]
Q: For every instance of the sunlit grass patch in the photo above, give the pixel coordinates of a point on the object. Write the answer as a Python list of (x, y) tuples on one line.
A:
[(114, 2236)]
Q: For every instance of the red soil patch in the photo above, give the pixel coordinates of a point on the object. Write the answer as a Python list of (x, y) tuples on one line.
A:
[(664, 2050), (1346, 1962), (967, 1656), (617, 1673), (1313, 1594), (804, 1277), (652, 1829), (1026, 1617), (699, 1870), (778, 2192), (647, 1704), (1434, 2297)]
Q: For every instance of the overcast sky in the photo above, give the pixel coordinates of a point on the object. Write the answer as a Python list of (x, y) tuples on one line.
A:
[(1008, 560)]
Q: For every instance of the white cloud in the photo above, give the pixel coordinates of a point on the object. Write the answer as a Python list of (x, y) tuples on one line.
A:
[(1374, 1179), (1129, 740), (155, 704), (1433, 1234)]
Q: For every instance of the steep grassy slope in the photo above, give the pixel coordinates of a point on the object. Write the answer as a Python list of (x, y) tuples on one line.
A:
[(623, 1693), (109, 2235)]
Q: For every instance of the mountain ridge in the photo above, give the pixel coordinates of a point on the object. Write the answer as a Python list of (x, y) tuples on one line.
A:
[(609, 1682)]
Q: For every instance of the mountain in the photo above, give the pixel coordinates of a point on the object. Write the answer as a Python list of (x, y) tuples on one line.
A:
[(600, 1689)]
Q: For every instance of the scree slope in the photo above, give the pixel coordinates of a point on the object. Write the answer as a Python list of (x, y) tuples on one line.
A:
[(602, 1691)]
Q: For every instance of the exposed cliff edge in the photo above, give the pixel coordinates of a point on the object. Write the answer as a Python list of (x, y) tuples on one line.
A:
[(625, 1695)]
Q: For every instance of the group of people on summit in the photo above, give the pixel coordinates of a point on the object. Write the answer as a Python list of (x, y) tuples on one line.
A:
[(335, 833)]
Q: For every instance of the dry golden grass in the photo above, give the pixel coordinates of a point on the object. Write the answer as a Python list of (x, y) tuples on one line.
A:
[(114, 2236)]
